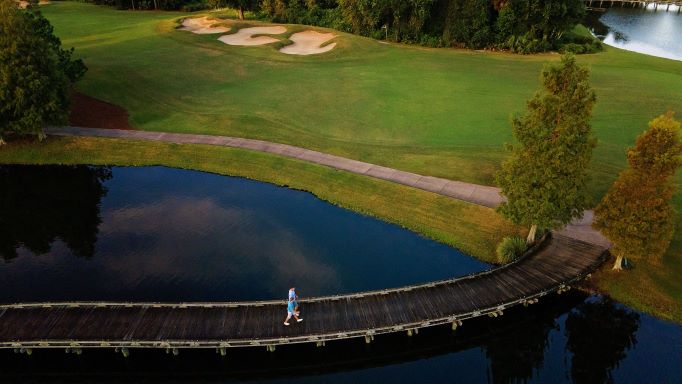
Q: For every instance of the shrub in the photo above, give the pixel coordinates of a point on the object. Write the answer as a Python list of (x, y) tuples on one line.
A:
[(194, 6), (592, 46), (510, 249), (430, 41), (573, 48)]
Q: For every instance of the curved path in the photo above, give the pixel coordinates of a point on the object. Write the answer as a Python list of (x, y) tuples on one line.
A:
[(552, 266)]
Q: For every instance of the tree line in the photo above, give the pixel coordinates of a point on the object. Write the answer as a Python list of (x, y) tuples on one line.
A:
[(523, 26)]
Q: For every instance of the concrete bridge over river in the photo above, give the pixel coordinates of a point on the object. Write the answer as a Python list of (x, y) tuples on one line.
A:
[(562, 259)]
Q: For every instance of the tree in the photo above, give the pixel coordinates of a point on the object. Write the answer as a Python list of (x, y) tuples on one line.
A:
[(544, 179), (243, 5), (468, 22), (35, 73), (531, 26), (636, 214), (405, 17), (73, 68)]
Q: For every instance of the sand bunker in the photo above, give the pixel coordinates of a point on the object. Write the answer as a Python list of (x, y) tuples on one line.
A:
[(23, 4), (309, 43), (202, 26), (244, 36)]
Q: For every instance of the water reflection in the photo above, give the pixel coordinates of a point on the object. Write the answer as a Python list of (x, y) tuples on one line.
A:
[(39, 205), (599, 333), (516, 356)]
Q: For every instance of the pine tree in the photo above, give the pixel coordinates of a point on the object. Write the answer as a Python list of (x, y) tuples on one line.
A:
[(636, 214), (545, 177)]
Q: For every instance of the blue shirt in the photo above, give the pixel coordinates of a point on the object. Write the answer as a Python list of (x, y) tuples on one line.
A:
[(291, 306)]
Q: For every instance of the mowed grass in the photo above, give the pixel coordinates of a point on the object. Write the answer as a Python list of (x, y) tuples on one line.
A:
[(437, 112), (433, 111)]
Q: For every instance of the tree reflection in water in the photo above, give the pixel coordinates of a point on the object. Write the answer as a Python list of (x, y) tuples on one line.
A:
[(516, 355), (40, 204), (599, 333)]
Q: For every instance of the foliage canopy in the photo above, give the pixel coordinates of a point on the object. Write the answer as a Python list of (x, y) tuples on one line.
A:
[(519, 25), (545, 177), (35, 72), (636, 214)]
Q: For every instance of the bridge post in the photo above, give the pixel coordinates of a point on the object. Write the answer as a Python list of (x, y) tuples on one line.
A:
[(320, 343), (221, 350), (455, 324), (411, 332), (271, 348), (176, 351), (125, 352), (496, 313), (369, 339), (27, 351)]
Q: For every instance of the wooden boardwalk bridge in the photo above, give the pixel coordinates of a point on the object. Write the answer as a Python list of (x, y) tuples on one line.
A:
[(549, 267)]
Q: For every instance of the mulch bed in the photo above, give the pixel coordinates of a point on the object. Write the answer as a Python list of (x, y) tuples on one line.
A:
[(89, 112)]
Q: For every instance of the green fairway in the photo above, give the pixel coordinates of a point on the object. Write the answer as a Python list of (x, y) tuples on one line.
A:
[(432, 111), (439, 112)]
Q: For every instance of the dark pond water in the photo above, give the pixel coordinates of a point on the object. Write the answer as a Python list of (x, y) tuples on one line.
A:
[(161, 234), (165, 234), (644, 30)]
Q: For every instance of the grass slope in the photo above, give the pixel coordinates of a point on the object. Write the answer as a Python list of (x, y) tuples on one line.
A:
[(436, 112)]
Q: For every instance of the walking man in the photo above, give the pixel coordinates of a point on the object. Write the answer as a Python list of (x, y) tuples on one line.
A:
[(291, 311), (294, 296)]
